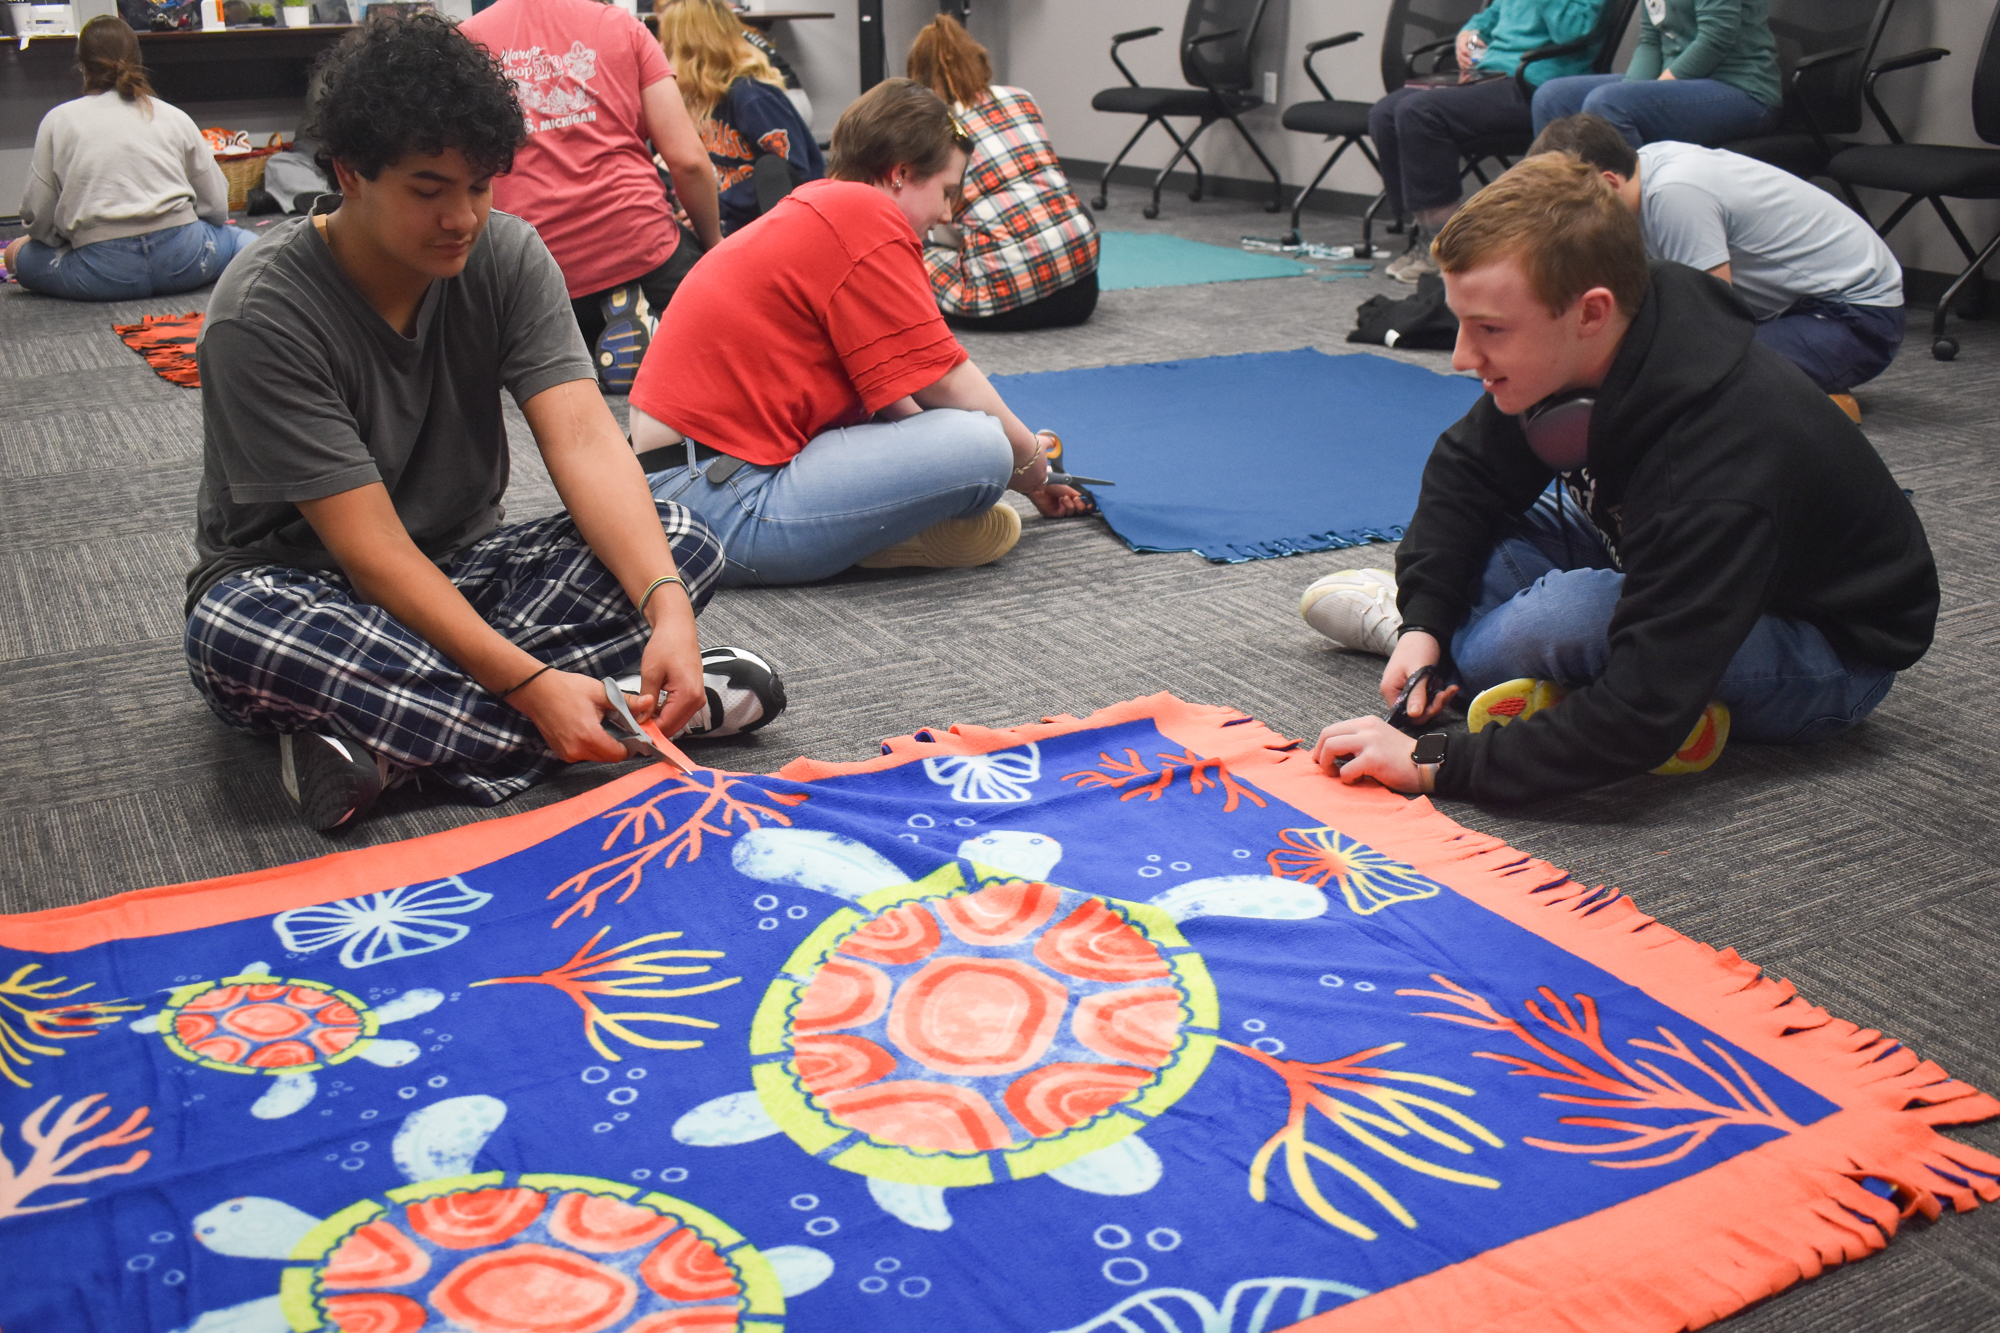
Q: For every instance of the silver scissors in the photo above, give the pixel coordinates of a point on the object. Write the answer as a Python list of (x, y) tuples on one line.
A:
[(1056, 476), (630, 734), (1071, 479)]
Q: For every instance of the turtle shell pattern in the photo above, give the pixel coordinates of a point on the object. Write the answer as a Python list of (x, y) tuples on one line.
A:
[(935, 1035), (259, 1024), (494, 1253)]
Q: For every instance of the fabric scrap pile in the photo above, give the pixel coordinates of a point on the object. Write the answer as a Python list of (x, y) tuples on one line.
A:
[(167, 343)]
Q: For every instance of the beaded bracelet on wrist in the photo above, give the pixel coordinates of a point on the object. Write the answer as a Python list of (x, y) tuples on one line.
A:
[(656, 585)]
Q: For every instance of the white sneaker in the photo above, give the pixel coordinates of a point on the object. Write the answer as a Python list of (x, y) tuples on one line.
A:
[(742, 693), (1413, 265), (1356, 608), (1415, 250)]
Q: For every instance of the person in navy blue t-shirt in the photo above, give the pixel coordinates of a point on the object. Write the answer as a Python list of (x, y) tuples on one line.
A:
[(760, 147)]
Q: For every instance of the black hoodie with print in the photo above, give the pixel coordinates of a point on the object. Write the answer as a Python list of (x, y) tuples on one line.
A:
[(1729, 488)]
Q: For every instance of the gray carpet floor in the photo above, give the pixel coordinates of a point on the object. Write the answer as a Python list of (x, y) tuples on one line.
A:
[(1863, 869)]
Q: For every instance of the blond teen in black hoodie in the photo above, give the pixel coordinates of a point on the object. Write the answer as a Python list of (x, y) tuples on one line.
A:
[(1721, 547)]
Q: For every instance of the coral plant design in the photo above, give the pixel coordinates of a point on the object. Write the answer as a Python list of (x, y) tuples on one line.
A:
[(643, 819), (1202, 774), (25, 1015), (1398, 1114), (50, 1157), (1635, 1085), (635, 976), (1369, 880)]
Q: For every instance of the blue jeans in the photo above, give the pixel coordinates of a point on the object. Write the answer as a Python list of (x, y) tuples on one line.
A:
[(131, 268), (847, 494), (1836, 344), (1646, 111), (1543, 609)]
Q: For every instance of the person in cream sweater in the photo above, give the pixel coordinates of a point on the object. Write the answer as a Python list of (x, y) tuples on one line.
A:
[(124, 199)]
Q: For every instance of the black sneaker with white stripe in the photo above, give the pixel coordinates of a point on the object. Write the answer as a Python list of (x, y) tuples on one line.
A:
[(743, 694), (330, 780)]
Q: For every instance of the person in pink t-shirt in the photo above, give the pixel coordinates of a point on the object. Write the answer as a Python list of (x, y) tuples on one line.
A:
[(594, 87)]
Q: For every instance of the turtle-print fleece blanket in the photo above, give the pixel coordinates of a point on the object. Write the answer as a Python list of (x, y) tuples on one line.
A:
[(1128, 1022)]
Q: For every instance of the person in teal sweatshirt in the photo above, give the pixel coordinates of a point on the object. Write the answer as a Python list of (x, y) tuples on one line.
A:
[(1704, 72), (1418, 128)]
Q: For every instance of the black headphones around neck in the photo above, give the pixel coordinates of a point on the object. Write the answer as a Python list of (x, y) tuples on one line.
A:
[(1558, 428)]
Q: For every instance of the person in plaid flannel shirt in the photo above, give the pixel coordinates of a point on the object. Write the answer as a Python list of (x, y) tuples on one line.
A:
[(1021, 252)]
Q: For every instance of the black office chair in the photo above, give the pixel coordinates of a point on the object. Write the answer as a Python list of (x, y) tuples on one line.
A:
[(1344, 121), (1825, 48), (1933, 172), (1413, 28), (1216, 41), (1435, 24)]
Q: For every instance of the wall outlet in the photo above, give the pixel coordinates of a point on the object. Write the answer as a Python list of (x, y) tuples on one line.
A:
[(1270, 85)]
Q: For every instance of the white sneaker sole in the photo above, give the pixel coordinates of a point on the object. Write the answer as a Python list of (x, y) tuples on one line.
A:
[(1356, 608)]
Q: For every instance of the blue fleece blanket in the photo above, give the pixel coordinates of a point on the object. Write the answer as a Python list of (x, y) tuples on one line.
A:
[(1248, 457)]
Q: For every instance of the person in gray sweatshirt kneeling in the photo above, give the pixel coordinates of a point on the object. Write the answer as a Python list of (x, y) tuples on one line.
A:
[(124, 198)]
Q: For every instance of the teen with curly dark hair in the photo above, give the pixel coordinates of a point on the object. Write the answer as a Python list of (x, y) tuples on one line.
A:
[(354, 590), (399, 86)]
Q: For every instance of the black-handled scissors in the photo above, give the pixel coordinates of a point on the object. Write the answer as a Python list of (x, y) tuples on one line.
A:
[(1399, 715)]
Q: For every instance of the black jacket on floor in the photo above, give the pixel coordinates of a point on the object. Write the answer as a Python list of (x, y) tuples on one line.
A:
[(1729, 486)]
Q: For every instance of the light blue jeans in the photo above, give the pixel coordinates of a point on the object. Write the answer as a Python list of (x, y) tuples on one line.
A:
[(1543, 610), (847, 494), (132, 268), (1705, 111)]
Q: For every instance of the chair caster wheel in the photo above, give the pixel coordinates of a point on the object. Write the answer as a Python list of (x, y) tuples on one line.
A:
[(1292, 237), (1194, 196), (1364, 252), (1944, 349), (1151, 210), (1272, 206), (1098, 202)]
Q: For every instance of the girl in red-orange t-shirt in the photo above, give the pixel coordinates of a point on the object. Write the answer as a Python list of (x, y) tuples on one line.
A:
[(803, 394)]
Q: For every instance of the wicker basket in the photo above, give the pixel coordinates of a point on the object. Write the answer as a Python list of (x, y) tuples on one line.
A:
[(245, 172)]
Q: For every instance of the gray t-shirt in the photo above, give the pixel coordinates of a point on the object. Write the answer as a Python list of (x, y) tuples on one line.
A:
[(307, 392), (1783, 238)]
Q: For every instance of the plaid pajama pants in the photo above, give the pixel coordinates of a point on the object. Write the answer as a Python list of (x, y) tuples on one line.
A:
[(275, 649)]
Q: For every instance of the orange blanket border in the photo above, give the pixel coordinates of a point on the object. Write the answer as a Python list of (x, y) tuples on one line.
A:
[(1653, 1264), (324, 879)]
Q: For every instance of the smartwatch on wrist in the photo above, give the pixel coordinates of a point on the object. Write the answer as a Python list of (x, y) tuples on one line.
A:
[(1429, 758)]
